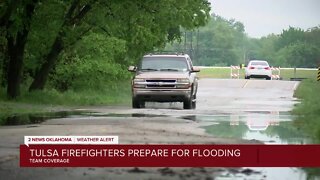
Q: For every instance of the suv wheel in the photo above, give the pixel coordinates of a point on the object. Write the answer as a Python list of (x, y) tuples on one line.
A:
[(187, 104), (194, 102), (137, 104), (190, 103)]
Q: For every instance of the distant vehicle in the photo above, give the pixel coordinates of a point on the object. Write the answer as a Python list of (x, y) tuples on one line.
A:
[(165, 78), (258, 69)]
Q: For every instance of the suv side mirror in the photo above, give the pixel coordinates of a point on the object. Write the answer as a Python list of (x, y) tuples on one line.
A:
[(195, 69), (132, 68)]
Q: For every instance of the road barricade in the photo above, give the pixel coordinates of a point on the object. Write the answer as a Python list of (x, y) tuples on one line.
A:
[(318, 77), (275, 73), (235, 72)]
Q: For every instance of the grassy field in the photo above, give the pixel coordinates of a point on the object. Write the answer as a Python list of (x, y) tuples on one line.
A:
[(106, 95), (308, 115), (285, 74), (308, 110), (54, 101)]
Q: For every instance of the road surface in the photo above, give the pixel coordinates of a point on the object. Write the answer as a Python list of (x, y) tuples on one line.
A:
[(157, 123)]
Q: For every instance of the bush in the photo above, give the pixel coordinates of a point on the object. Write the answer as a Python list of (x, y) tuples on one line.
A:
[(95, 63)]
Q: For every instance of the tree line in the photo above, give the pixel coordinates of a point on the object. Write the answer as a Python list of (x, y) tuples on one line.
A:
[(81, 44), (294, 47), (65, 43), (223, 42)]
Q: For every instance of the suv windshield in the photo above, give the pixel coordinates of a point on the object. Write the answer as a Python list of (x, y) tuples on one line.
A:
[(163, 64)]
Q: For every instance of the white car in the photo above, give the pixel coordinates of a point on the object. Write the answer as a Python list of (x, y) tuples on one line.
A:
[(258, 69)]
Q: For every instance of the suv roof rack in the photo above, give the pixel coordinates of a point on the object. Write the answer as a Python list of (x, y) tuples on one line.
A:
[(165, 52)]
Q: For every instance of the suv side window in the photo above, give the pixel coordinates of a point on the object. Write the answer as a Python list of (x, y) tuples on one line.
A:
[(189, 63)]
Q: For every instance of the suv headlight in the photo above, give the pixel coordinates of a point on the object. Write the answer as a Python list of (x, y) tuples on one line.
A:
[(139, 83), (183, 83)]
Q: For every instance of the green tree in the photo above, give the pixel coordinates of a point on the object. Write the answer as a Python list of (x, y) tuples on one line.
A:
[(290, 36), (292, 48), (299, 54), (91, 64), (144, 26), (223, 42), (42, 31), (220, 42), (15, 21), (266, 49)]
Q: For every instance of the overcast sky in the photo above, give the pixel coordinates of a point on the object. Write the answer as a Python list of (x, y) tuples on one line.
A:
[(263, 17)]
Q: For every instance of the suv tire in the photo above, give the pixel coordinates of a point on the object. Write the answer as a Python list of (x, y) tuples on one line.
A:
[(194, 102), (137, 104), (190, 103), (187, 104)]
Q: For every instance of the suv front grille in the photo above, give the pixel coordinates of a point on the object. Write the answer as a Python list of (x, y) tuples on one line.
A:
[(161, 80), (161, 83)]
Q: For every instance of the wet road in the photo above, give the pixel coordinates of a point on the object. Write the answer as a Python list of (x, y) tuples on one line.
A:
[(228, 112)]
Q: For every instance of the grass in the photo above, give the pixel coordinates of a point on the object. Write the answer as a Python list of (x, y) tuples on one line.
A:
[(308, 110), (108, 95), (286, 74), (308, 115), (50, 100)]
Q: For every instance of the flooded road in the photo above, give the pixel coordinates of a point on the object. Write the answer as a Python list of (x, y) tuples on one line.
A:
[(228, 112)]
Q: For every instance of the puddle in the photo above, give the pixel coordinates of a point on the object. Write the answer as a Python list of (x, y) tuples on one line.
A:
[(268, 127), (36, 118), (280, 133), (262, 173), (133, 115)]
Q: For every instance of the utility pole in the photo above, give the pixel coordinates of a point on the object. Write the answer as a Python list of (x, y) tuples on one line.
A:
[(244, 55), (185, 41), (197, 48), (191, 48)]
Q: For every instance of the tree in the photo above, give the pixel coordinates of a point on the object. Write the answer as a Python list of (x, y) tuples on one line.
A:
[(144, 26), (15, 22), (220, 42), (290, 36), (73, 17), (266, 49), (300, 54)]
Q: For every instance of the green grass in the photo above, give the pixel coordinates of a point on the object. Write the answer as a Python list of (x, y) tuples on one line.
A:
[(107, 95), (50, 100), (285, 74), (308, 110), (308, 115)]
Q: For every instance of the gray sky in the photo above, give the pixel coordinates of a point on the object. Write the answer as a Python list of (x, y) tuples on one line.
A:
[(263, 17)]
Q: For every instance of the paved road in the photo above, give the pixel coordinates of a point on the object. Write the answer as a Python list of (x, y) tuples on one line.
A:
[(216, 96), (158, 123), (246, 95)]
